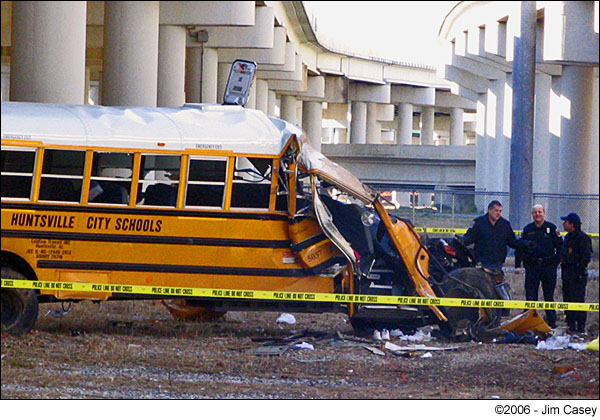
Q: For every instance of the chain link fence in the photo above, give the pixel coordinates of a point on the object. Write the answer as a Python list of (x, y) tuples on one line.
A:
[(456, 209)]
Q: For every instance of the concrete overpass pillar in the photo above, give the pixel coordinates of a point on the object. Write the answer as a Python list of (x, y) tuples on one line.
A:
[(171, 66), (523, 110), (251, 103), (288, 109), (405, 124), (222, 76), (481, 163), (271, 102), (130, 53), (312, 122), (262, 95), (210, 76), (48, 52), (373, 132), (554, 127), (193, 75), (457, 127), (358, 125), (495, 134), (542, 148), (427, 120), (575, 146)]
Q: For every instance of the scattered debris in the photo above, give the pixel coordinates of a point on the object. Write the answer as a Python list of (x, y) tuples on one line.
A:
[(396, 333), (286, 319), (76, 333), (271, 350), (515, 338), (385, 335), (133, 346), (426, 355), (420, 347), (560, 342), (375, 350), (578, 346), (569, 373), (417, 336), (563, 368), (557, 342), (593, 345), (303, 345), (529, 320), (376, 335), (312, 360), (60, 313)]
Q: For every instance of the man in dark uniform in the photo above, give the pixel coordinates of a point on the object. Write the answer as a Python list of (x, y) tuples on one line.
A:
[(491, 234), (575, 257), (540, 262)]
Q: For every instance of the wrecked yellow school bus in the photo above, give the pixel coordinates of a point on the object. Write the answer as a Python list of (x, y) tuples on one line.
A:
[(203, 196)]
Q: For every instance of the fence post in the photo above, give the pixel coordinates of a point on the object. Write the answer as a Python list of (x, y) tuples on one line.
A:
[(413, 205), (453, 205)]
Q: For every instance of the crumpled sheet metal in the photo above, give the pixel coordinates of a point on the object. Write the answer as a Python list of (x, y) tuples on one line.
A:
[(316, 163)]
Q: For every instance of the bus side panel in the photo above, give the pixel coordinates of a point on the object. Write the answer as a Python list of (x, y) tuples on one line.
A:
[(99, 246)]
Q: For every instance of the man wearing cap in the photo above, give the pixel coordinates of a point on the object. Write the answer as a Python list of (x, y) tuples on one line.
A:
[(575, 257), (541, 261)]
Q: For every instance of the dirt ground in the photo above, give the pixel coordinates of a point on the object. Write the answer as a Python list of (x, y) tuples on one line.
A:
[(135, 350)]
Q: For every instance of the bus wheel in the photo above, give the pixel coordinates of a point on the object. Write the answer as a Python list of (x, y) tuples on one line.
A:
[(184, 310), (19, 306), (472, 283)]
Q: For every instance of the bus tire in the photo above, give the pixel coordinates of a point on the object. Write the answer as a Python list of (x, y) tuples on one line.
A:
[(19, 306), (477, 279)]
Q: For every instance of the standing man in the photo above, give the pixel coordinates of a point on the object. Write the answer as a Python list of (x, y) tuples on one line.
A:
[(541, 261), (575, 257), (491, 234)]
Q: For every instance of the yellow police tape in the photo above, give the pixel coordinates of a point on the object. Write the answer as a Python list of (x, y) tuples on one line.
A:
[(463, 231), (188, 292)]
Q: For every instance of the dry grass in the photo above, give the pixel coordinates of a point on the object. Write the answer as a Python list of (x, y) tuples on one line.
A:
[(134, 350)]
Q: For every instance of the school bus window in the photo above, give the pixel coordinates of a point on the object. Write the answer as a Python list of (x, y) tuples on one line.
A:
[(159, 180), (281, 202), (251, 187), (206, 182), (62, 175), (111, 178), (17, 172)]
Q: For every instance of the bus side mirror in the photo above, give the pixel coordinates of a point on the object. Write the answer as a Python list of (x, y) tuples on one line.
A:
[(239, 83)]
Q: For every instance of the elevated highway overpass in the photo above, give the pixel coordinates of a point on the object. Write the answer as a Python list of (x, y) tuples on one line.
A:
[(363, 111)]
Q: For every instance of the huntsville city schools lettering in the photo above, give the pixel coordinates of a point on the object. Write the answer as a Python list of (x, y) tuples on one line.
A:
[(122, 224)]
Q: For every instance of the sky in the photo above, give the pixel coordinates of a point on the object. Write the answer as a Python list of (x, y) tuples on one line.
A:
[(394, 30)]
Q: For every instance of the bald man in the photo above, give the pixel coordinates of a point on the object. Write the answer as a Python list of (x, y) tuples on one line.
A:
[(541, 261)]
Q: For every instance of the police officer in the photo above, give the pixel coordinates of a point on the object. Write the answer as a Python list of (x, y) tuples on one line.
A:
[(491, 234), (541, 261), (575, 257)]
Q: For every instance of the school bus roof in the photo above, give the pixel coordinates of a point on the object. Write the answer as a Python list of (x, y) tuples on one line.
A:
[(193, 126)]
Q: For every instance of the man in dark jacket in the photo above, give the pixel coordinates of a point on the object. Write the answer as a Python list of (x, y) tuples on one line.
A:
[(541, 261), (491, 234), (575, 257)]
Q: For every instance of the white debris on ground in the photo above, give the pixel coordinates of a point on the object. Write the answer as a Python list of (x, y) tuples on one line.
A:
[(303, 345), (418, 336), (286, 319), (560, 342)]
